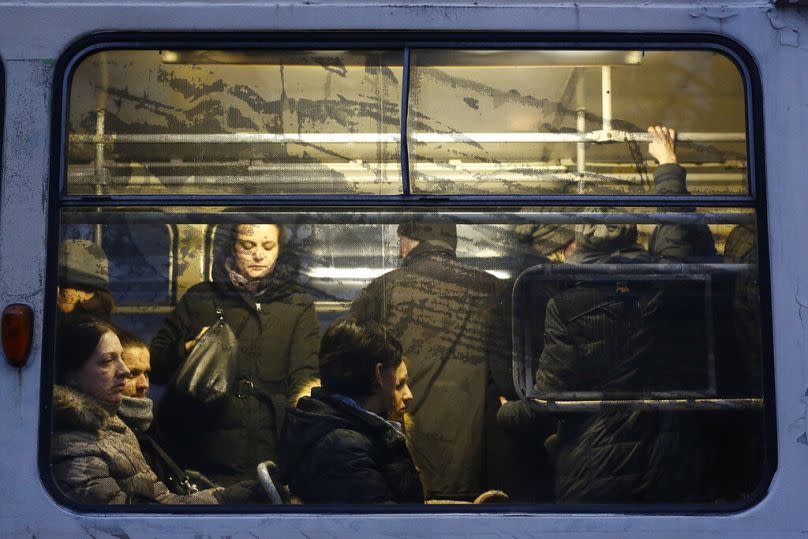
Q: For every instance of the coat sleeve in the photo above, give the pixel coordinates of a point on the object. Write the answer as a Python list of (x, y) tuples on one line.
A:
[(678, 241), (558, 368), (86, 479), (167, 348), (519, 416), (303, 364)]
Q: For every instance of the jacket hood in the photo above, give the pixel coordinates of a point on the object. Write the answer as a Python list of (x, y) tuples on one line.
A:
[(605, 242), (315, 417), (283, 281), (74, 410)]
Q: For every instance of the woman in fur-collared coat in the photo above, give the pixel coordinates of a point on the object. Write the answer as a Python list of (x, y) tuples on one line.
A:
[(95, 457)]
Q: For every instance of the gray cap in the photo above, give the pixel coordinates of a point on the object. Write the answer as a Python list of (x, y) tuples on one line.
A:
[(441, 233), (83, 264)]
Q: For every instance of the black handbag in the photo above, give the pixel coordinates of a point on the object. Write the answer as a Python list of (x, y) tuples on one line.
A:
[(209, 371)]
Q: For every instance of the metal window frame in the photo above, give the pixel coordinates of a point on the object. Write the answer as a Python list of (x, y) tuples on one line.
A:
[(2, 122), (756, 199)]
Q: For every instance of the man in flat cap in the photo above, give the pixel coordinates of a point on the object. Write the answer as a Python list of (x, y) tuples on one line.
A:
[(450, 321)]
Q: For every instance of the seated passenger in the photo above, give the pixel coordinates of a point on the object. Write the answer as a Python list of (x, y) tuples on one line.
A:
[(344, 444), (95, 457), (136, 410), (255, 288), (83, 291)]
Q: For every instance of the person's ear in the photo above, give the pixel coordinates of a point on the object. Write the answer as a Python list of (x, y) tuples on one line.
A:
[(379, 377)]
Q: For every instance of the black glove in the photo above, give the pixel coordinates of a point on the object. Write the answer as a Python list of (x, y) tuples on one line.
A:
[(249, 491)]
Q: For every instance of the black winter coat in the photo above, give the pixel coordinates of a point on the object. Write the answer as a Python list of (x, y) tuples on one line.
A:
[(335, 453), (278, 338), (450, 321), (624, 342), (601, 339)]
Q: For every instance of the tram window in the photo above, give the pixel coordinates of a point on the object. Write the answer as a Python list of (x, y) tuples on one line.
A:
[(496, 122), (235, 122), (564, 355)]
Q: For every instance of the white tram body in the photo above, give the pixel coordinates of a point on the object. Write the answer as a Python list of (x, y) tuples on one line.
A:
[(38, 41)]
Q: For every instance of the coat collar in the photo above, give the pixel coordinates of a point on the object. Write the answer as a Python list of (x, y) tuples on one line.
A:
[(426, 248), (74, 410)]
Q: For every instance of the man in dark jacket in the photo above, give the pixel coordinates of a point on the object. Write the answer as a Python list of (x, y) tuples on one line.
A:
[(450, 321), (339, 445), (621, 339)]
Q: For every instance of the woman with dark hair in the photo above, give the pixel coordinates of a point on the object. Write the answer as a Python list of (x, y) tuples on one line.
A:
[(83, 291), (255, 290), (344, 444), (95, 457)]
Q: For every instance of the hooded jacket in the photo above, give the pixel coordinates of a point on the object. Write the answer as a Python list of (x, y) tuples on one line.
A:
[(278, 336), (450, 322), (623, 341), (620, 339), (96, 458), (333, 452)]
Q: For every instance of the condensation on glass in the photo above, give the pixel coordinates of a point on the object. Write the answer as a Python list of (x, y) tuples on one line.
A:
[(643, 317), (571, 122), (165, 122)]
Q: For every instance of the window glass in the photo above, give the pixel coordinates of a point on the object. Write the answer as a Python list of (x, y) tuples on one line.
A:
[(571, 122), (568, 306), (164, 122)]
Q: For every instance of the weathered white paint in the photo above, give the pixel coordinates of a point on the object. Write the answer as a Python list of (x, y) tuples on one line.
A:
[(33, 34)]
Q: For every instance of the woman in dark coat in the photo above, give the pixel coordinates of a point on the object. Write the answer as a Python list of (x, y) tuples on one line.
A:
[(254, 287)]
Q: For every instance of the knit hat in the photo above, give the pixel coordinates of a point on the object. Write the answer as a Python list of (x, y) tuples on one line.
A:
[(445, 233), (83, 264), (545, 239)]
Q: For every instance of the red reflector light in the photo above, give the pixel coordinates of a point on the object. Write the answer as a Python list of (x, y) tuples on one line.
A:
[(17, 331)]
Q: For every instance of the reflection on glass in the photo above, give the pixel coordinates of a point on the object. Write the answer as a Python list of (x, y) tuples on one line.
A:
[(571, 122), (557, 303), (235, 122)]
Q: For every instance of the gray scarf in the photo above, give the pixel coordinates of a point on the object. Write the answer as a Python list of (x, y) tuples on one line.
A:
[(136, 413)]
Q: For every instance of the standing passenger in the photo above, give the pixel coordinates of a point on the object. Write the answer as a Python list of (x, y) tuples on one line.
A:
[(254, 285), (618, 338), (449, 320)]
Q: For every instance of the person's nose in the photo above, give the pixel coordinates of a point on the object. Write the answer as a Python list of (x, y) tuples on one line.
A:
[(407, 394), (142, 383), (123, 371), (258, 255)]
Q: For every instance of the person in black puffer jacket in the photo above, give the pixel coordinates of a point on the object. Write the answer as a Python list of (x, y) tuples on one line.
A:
[(255, 287), (340, 445), (624, 338)]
